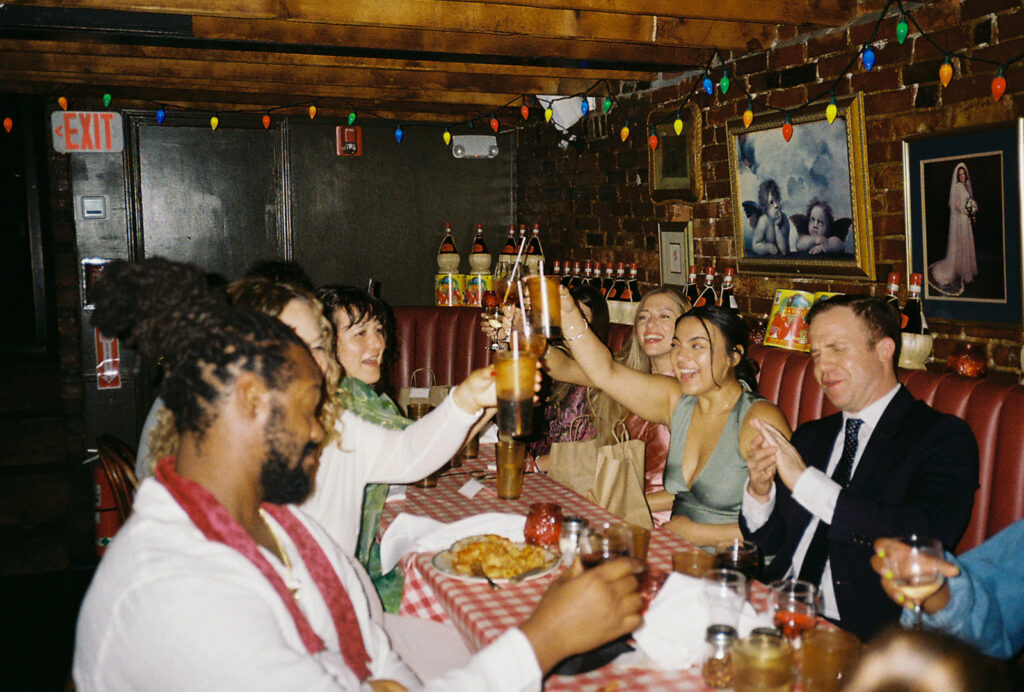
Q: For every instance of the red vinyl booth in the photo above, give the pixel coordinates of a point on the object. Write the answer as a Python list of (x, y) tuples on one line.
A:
[(449, 342)]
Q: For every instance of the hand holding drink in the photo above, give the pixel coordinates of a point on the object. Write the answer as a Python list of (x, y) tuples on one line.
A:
[(915, 570)]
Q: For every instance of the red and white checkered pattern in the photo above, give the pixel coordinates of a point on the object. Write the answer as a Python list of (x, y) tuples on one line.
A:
[(481, 614)]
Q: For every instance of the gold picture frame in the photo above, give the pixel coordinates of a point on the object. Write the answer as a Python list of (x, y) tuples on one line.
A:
[(674, 167), (815, 189)]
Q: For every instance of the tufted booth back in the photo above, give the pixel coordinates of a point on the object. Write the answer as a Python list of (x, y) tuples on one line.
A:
[(449, 341)]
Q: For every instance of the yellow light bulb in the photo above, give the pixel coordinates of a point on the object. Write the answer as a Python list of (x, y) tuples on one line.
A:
[(830, 112), (547, 114), (214, 122), (624, 132), (678, 125)]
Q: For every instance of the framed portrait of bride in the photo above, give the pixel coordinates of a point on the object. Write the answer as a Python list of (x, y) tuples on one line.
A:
[(963, 193)]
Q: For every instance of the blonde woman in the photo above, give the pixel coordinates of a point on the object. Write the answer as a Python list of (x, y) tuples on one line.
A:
[(649, 351)]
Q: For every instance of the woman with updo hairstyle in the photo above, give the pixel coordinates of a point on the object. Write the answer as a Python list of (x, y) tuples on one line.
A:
[(708, 403)]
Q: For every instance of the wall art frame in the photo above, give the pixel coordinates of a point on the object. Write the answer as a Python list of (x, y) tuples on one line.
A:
[(675, 250), (816, 187), (674, 168), (964, 213)]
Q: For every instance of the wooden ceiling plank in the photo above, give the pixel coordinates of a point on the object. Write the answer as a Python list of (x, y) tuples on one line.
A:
[(253, 9), (820, 12), (499, 19), (487, 70), (111, 71), (441, 41)]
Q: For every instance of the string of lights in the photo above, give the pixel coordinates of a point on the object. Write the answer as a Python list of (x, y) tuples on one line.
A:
[(865, 55)]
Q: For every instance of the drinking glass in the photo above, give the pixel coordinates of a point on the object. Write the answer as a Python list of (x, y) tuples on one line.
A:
[(915, 572), (742, 556), (510, 463), (493, 315), (529, 338), (827, 657), (762, 663), (794, 608), (545, 305), (725, 591), (514, 387), (693, 562), (604, 542)]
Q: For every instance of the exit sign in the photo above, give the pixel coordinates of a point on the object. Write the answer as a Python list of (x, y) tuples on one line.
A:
[(87, 132)]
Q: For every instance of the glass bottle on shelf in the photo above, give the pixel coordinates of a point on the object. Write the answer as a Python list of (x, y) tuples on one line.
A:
[(726, 296), (447, 255), (534, 251), (614, 295), (595, 276), (692, 291), (630, 297), (707, 295), (912, 319), (566, 273), (588, 272), (609, 279), (577, 276), (892, 296)]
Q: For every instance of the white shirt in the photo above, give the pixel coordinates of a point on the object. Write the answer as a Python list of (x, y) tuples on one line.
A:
[(364, 452), (818, 494), (170, 610)]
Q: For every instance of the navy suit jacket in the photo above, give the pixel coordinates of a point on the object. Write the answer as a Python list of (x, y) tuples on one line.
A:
[(917, 474)]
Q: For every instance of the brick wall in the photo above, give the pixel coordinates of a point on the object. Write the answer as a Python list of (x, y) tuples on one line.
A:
[(595, 202)]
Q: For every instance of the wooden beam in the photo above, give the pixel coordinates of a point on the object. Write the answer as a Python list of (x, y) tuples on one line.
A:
[(820, 12), (112, 70), (448, 42), (464, 16), (256, 58)]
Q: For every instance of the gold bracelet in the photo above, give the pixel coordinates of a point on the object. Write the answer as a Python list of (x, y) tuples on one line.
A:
[(580, 335)]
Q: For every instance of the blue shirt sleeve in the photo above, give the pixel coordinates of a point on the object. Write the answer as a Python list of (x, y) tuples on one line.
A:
[(986, 607)]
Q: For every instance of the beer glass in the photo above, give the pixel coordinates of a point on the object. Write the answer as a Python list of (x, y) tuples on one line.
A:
[(516, 372), (545, 308)]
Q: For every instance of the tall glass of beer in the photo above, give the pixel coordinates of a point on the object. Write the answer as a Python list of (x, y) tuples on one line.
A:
[(516, 370)]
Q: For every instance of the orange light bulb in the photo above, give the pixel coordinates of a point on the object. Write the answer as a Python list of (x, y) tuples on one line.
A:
[(494, 123), (748, 117), (266, 121), (999, 85), (312, 112), (8, 124), (946, 73), (787, 131), (624, 132), (63, 103)]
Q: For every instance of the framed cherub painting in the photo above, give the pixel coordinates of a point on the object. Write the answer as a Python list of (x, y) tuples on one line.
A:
[(800, 207)]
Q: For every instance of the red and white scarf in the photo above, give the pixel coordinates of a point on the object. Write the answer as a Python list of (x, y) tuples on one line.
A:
[(217, 525)]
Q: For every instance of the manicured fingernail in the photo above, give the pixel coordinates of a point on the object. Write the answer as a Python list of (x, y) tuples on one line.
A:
[(888, 574), (881, 552), (900, 599)]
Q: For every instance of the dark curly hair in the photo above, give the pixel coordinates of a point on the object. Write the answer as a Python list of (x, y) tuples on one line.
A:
[(165, 309)]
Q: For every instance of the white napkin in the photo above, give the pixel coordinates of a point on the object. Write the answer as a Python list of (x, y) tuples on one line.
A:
[(413, 533), (672, 636)]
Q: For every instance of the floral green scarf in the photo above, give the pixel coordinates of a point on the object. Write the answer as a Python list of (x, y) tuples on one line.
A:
[(359, 398)]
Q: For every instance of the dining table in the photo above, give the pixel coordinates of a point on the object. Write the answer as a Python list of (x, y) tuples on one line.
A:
[(481, 613)]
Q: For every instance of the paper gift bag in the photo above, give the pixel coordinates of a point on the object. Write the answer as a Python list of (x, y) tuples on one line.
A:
[(423, 389), (611, 476)]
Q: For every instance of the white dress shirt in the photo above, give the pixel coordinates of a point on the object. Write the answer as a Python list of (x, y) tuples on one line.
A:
[(818, 494)]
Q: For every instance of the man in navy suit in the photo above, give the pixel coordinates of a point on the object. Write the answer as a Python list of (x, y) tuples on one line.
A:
[(886, 465)]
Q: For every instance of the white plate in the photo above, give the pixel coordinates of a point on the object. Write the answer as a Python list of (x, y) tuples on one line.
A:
[(442, 562)]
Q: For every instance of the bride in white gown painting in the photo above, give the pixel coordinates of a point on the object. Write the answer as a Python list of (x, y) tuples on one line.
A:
[(959, 267)]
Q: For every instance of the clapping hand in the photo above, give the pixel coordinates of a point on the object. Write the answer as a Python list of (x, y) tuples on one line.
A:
[(772, 454)]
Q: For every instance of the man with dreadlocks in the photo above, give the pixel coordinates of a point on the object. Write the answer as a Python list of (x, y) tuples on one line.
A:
[(217, 581)]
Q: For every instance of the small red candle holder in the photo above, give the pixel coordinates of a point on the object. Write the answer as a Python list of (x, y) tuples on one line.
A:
[(543, 524)]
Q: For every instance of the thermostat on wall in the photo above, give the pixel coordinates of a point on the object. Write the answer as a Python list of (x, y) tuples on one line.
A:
[(94, 207)]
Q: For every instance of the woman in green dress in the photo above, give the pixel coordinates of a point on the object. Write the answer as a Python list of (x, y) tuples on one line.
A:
[(708, 403)]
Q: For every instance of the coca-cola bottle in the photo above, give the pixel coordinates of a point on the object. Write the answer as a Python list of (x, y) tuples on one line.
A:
[(726, 296), (912, 319), (692, 291), (707, 295)]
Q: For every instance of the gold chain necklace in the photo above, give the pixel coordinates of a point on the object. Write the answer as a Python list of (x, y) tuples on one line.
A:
[(292, 583)]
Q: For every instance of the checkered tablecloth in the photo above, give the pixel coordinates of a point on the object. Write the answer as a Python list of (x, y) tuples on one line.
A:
[(480, 613)]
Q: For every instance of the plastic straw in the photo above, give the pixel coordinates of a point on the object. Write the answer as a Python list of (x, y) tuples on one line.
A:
[(515, 266)]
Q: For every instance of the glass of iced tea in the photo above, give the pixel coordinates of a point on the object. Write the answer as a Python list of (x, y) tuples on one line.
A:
[(545, 305), (762, 663), (516, 372)]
